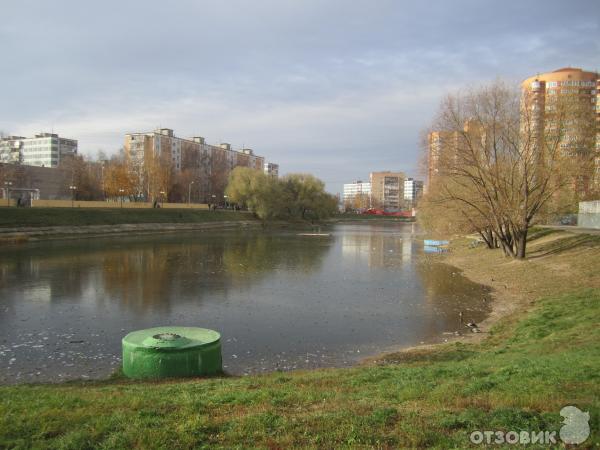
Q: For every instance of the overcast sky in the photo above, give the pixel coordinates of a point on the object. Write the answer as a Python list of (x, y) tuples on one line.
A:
[(334, 88)]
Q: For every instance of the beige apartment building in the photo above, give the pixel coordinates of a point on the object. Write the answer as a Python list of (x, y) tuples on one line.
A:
[(439, 143), (443, 145), (387, 190), (542, 93), (582, 90), (207, 167)]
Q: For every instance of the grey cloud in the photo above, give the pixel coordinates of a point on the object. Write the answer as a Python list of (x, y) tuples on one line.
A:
[(306, 83)]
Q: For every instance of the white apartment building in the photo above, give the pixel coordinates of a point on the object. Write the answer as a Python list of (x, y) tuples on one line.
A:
[(351, 190), (271, 169), (42, 150), (413, 189)]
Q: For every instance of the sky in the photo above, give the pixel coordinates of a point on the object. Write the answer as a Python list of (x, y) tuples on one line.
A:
[(335, 88)]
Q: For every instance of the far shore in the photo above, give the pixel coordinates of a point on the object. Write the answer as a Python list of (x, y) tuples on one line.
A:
[(30, 234), (18, 225)]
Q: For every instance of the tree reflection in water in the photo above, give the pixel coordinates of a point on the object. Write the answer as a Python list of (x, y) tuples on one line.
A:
[(153, 272)]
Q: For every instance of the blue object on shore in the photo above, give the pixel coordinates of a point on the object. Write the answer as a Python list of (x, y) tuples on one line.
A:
[(434, 249), (434, 243)]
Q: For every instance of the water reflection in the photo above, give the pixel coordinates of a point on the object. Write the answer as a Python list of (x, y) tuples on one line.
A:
[(151, 273), (381, 247), (281, 301)]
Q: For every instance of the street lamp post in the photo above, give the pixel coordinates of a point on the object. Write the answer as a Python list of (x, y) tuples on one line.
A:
[(226, 204), (121, 191), (7, 185), (214, 199), (162, 197), (190, 192), (73, 189)]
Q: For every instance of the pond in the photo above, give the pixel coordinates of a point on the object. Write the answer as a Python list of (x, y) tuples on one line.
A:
[(280, 299)]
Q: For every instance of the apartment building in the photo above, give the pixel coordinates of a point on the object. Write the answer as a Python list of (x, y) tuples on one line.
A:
[(42, 150), (413, 190), (357, 190), (271, 169), (439, 144), (206, 166), (387, 190), (581, 89), (443, 146)]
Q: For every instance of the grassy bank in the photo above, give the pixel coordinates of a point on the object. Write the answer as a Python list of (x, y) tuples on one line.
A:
[(541, 356), (42, 217)]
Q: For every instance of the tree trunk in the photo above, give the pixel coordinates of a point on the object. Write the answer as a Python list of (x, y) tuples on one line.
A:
[(521, 244), (507, 249), (488, 238)]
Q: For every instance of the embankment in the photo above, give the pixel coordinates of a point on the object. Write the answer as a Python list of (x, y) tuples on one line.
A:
[(24, 224)]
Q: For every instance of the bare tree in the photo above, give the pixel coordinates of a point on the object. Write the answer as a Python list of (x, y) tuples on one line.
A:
[(501, 164)]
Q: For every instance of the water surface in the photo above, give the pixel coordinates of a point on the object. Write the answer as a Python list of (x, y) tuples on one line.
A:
[(280, 300)]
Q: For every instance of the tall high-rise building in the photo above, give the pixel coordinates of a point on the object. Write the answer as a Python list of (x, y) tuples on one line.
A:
[(387, 190), (582, 91), (439, 142), (443, 147), (42, 150)]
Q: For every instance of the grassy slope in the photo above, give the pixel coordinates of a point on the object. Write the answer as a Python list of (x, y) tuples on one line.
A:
[(518, 378), (34, 217)]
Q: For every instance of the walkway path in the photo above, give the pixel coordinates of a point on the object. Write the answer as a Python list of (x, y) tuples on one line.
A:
[(573, 229)]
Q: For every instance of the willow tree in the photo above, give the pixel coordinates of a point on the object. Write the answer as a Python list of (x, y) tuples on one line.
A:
[(504, 160), (295, 196)]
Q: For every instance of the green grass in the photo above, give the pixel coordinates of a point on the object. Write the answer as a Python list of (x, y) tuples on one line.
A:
[(518, 379), (38, 217)]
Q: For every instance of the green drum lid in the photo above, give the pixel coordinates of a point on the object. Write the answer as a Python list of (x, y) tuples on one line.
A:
[(170, 338)]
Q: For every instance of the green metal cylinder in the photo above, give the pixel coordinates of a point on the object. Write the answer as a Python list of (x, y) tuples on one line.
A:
[(167, 352)]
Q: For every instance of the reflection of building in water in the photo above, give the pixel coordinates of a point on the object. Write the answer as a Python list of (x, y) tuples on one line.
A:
[(49, 278), (386, 250), (406, 250), (356, 245), (378, 249)]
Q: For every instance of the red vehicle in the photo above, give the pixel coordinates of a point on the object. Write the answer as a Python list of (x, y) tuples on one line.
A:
[(381, 212)]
